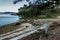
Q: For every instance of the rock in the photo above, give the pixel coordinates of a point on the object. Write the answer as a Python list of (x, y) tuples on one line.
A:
[(28, 25), (18, 23)]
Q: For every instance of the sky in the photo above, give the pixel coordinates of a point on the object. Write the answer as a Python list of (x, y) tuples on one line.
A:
[(8, 6)]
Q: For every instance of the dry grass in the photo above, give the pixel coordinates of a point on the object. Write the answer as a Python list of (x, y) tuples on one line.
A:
[(8, 28)]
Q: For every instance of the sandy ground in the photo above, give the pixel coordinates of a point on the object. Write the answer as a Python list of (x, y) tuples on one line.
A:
[(53, 20)]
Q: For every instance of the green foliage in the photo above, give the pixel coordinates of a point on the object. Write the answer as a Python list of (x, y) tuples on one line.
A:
[(38, 10), (29, 12)]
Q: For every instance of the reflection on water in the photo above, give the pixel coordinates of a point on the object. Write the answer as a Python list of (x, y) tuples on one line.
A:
[(7, 19)]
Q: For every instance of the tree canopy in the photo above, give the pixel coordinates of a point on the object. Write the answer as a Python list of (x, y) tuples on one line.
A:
[(37, 1), (37, 7), (43, 3)]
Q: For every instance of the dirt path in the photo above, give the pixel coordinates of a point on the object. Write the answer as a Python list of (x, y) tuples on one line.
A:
[(53, 20)]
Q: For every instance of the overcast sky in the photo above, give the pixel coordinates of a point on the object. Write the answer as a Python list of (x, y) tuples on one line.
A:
[(8, 6)]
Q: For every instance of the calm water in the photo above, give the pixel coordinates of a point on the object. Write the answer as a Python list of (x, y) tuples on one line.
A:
[(7, 19)]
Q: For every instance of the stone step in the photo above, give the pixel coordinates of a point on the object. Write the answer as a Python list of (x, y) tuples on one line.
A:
[(14, 34), (24, 35), (19, 29)]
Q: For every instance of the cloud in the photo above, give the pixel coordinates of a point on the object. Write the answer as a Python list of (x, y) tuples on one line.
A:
[(7, 5)]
